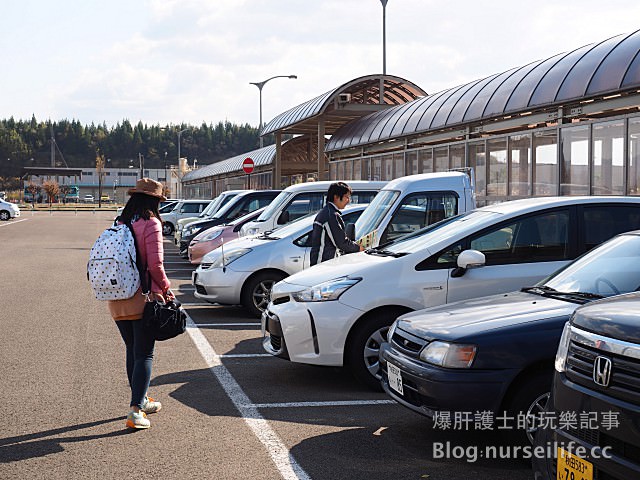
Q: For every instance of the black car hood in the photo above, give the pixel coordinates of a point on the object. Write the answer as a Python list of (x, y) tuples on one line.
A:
[(616, 317), (471, 317)]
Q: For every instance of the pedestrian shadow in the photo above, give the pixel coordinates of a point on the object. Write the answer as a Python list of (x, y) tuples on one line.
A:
[(33, 445)]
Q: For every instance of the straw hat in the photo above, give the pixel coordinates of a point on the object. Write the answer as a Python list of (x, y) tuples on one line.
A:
[(148, 187)]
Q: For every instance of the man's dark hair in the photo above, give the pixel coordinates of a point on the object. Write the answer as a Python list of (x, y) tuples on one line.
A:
[(142, 206), (337, 189)]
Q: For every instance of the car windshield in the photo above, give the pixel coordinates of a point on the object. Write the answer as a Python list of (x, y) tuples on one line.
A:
[(211, 207), (167, 208), (275, 205), (610, 269), (222, 213), (293, 228), (375, 212), (246, 218), (445, 229)]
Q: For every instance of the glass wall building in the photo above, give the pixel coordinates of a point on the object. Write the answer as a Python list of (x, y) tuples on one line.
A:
[(567, 125)]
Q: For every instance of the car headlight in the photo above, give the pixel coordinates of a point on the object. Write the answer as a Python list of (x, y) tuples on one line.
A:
[(449, 355), (563, 348), (189, 231), (229, 257), (325, 291), (391, 331), (211, 236)]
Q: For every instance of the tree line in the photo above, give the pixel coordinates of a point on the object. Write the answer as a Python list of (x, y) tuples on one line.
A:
[(28, 144)]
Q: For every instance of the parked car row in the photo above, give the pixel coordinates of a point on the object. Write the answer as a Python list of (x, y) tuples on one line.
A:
[(452, 308), (403, 205)]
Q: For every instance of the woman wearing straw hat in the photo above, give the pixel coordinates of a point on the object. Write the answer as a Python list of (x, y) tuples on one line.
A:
[(141, 212)]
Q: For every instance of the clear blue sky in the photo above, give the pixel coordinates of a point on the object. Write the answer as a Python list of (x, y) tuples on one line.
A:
[(170, 61)]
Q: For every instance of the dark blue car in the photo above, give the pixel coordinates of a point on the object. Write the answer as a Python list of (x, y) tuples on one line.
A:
[(496, 353)]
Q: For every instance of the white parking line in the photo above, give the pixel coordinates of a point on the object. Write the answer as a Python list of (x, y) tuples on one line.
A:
[(14, 222), (202, 304), (279, 453), (346, 403), (228, 324), (245, 355)]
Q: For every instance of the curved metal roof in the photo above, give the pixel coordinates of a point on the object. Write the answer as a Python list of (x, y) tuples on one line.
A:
[(364, 91), (294, 151), (261, 156), (608, 67)]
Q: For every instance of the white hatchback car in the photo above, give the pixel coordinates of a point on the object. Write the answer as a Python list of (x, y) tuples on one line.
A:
[(244, 270), (8, 210), (338, 312)]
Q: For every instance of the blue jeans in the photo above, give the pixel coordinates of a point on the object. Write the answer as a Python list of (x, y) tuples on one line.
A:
[(139, 358)]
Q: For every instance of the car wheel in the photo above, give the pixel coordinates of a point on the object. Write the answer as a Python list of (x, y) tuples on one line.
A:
[(4, 215), (363, 347), (167, 228), (529, 399), (257, 291)]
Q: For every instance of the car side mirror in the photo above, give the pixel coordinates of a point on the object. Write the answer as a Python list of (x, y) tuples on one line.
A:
[(283, 218), (350, 230), (466, 260)]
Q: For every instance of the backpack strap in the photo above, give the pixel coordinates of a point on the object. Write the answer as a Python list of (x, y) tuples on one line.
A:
[(145, 280)]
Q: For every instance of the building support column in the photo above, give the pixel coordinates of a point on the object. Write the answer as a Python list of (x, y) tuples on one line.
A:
[(322, 161), (277, 167)]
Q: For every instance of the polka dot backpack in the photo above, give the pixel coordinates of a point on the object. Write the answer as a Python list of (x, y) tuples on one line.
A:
[(112, 270)]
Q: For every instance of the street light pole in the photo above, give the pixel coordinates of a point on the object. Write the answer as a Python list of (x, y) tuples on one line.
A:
[(141, 160), (179, 135), (384, 36), (260, 85)]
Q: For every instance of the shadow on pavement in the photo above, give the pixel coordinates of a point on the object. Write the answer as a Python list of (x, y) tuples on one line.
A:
[(32, 445), (410, 455)]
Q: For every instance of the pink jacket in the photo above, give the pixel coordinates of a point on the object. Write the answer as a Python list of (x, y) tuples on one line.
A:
[(149, 241)]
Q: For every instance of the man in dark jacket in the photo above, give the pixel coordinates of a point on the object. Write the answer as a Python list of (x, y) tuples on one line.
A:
[(328, 236)]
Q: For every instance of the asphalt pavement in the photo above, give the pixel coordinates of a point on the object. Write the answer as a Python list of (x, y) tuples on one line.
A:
[(229, 410)]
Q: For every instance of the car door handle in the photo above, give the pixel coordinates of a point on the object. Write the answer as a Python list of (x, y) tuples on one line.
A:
[(295, 259)]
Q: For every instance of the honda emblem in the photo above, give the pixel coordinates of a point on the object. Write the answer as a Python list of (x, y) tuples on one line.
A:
[(602, 371)]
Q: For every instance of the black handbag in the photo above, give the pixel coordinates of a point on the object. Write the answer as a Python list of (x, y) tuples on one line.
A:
[(164, 320)]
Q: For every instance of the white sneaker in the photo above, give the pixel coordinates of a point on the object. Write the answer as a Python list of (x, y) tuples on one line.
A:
[(150, 405), (137, 420)]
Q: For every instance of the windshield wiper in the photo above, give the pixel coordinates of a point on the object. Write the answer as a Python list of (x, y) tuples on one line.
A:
[(583, 294), (548, 291), (385, 253), (267, 236), (541, 289)]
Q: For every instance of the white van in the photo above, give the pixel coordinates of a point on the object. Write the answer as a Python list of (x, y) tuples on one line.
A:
[(302, 199), (410, 203)]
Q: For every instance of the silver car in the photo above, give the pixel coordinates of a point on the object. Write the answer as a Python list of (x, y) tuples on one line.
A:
[(244, 270)]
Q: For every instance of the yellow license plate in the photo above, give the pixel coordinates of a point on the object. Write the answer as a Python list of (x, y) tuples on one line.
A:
[(572, 467)]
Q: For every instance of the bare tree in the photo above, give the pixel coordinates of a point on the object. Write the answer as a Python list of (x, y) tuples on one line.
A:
[(34, 189), (52, 189)]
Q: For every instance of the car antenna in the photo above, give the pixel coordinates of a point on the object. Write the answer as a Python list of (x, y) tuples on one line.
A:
[(224, 268)]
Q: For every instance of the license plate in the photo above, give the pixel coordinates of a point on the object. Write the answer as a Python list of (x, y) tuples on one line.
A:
[(395, 378), (572, 467)]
